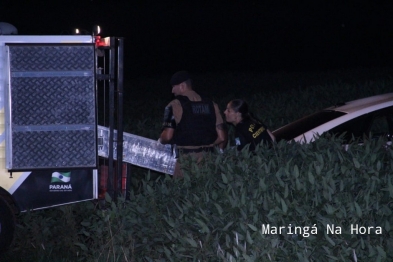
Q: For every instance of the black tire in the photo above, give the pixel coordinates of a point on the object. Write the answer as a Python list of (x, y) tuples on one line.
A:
[(7, 226)]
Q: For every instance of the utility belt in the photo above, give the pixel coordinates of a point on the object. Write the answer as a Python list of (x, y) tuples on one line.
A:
[(196, 150), (177, 151)]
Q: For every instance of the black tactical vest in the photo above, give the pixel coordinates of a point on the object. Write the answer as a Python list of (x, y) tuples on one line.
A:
[(197, 126)]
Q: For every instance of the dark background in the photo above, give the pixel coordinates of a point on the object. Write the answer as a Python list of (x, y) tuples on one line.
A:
[(162, 37)]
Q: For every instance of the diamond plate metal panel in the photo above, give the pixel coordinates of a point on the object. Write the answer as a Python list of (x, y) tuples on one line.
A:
[(48, 100), (52, 57), (52, 107), (45, 149)]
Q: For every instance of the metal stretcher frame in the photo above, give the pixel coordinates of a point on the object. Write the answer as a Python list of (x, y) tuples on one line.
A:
[(139, 151)]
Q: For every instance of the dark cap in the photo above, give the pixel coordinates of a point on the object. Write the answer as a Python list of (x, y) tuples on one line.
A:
[(179, 77)]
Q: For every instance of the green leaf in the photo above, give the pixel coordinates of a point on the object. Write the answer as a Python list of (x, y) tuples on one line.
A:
[(296, 171), (262, 184), (108, 198), (248, 238), (271, 212), (356, 162), (224, 178), (284, 206), (168, 235), (311, 178), (379, 165), (243, 198), (174, 233), (219, 208), (387, 226), (82, 246), (286, 191), (253, 228), (329, 239), (191, 241), (227, 226), (203, 225), (381, 252), (358, 209), (390, 186), (178, 207), (169, 221), (298, 185), (85, 224), (150, 189), (333, 257), (140, 210), (329, 209), (167, 252)]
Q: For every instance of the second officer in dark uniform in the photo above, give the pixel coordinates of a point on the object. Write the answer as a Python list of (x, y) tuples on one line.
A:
[(247, 129)]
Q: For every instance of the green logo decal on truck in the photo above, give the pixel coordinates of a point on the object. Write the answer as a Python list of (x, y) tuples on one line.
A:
[(64, 177), (60, 177)]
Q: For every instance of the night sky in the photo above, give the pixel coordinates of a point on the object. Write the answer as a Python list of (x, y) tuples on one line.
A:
[(214, 36)]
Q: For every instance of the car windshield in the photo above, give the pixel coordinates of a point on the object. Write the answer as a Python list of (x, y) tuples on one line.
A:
[(305, 124)]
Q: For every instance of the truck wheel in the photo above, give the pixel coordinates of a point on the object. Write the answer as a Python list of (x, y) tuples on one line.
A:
[(7, 226)]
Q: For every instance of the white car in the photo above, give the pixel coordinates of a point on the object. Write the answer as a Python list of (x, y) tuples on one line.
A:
[(358, 119)]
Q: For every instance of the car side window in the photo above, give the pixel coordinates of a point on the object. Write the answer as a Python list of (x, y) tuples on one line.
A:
[(353, 129), (379, 126), (376, 124), (382, 124)]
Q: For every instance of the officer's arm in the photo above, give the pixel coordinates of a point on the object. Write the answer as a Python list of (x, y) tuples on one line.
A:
[(168, 126), (166, 135), (222, 136)]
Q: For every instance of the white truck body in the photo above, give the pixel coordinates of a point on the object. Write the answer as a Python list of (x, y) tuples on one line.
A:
[(50, 141), (39, 134)]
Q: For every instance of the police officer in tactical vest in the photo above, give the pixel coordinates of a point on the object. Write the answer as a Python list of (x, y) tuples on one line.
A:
[(192, 122)]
